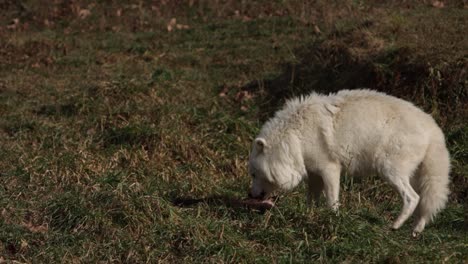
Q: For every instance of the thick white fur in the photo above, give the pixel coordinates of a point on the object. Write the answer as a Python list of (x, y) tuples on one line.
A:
[(360, 132)]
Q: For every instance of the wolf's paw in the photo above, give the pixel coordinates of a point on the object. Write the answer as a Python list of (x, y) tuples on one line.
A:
[(396, 226), (419, 226)]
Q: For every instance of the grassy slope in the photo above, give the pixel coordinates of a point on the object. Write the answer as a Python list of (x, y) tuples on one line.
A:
[(105, 120)]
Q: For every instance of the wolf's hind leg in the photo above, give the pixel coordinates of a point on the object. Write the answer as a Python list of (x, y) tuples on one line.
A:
[(400, 180)]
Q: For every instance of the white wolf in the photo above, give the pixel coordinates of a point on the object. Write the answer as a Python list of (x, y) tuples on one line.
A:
[(360, 132)]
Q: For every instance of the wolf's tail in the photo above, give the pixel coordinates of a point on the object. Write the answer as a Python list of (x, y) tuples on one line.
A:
[(432, 180)]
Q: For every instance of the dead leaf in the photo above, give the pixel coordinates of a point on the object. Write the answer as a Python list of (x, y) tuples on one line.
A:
[(171, 24), (24, 245), (48, 23), (181, 26), (317, 29), (224, 92), (438, 4), (36, 228), (84, 13), (14, 24)]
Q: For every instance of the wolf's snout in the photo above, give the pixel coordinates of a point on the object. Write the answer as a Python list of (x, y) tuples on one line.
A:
[(261, 196)]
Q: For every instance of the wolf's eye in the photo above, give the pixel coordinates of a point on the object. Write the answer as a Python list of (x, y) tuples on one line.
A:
[(253, 175)]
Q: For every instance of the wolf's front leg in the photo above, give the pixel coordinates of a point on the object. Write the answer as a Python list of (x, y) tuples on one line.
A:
[(331, 184)]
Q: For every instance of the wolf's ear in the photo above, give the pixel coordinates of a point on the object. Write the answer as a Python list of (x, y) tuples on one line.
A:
[(260, 143)]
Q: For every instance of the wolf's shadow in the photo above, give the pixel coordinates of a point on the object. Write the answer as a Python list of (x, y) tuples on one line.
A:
[(335, 62), (326, 70)]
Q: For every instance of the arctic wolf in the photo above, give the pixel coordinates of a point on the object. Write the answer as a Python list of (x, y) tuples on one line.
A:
[(360, 132)]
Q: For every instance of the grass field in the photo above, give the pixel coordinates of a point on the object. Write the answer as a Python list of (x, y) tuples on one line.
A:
[(111, 111)]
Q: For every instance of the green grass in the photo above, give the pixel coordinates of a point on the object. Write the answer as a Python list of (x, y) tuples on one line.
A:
[(107, 120)]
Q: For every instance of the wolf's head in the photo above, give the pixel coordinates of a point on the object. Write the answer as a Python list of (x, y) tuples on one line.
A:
[(275, 165)]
